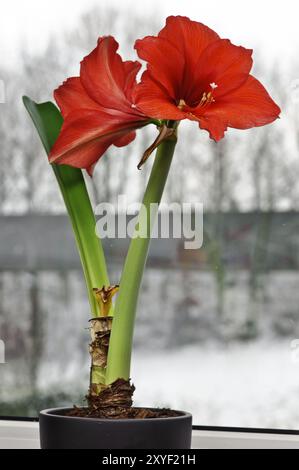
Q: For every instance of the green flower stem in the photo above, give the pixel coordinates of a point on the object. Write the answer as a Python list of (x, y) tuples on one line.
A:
[(48, 121), (120, 348)]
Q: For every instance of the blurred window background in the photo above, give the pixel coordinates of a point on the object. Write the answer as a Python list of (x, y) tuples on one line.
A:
[(217, 328)]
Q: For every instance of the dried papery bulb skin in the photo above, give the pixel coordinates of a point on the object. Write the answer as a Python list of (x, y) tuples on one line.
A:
[(113, 401), (100, 330)]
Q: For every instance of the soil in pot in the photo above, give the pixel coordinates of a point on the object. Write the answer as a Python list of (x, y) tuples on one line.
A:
[(123, 413), (116, 402)]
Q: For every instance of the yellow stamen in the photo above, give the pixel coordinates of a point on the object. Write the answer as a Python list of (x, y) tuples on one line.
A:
[(206, 99)]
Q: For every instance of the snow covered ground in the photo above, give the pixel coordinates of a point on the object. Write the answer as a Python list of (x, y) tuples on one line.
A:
[(250, 385), (187, 354), (244, 385)]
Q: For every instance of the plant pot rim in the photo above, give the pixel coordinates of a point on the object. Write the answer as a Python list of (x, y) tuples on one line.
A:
[(56, 413)]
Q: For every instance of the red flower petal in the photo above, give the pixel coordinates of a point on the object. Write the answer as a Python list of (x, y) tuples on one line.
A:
[(130, 70), (98, 108), (165, 62), (223, 64), (248, 106), (172, 55), (189, 37), (153, 100), (107, 79), (71, 96), (125, 140), (87, 134)]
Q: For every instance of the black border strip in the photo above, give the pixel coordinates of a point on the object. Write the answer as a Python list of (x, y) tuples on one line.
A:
[(19, 418), (247, 430), (195, 428)]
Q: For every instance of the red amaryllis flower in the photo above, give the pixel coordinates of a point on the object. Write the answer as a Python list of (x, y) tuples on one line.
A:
[(193, 74), (98, 108)]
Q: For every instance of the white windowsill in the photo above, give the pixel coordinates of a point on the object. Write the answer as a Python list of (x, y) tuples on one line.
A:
[(25, 435), (19, 435), (243, 440)]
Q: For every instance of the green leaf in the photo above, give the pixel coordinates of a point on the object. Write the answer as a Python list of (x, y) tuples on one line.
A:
[(48, 121)]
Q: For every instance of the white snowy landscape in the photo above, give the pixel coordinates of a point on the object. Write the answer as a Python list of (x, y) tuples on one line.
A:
[(209, 368), (253, 385)]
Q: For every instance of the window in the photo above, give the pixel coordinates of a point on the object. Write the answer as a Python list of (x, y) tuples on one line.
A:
[(218, 328)]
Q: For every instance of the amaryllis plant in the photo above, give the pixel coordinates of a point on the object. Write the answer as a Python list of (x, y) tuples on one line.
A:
[(190, 73)]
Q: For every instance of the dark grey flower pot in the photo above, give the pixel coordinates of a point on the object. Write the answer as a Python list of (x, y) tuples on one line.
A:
[(66, 432)]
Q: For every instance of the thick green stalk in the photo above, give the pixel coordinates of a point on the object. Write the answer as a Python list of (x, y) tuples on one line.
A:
[(120, 347), (48, 121)]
